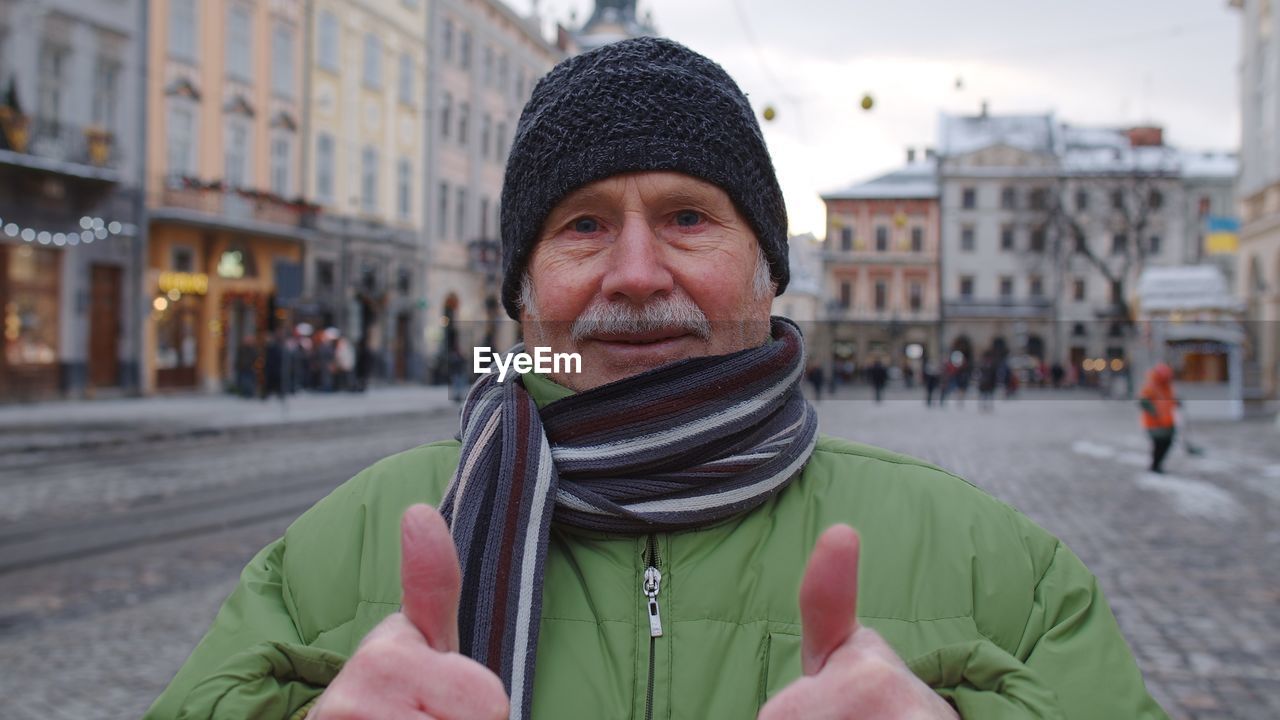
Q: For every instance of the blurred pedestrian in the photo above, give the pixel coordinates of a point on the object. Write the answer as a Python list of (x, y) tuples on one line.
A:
[(344, 363), (930, 372), (878, 376), (987, 377), (1158, 403), (815, 377), (273, 369), (1057, 373)]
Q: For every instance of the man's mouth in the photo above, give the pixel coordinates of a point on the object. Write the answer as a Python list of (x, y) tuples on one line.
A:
[(645, 338)]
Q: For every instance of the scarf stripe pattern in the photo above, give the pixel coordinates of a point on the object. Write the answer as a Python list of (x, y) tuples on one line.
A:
[(679, 446)]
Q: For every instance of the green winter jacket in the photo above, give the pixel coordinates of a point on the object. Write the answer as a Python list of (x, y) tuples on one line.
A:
[(983, 605)]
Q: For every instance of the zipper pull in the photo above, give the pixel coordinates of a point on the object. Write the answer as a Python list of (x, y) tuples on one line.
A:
[(652, 584)]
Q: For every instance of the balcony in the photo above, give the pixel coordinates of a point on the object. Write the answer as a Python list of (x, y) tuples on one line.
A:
[(191, 201), (1005, 308), (53, 146)]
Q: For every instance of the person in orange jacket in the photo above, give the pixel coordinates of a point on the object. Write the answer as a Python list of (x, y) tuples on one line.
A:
[(1158, 403)]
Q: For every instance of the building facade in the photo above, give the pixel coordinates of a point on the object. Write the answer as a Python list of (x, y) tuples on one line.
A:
[(1258, 265), (228, 227), (70, 205), (1047, 228), (365, 119), (881, 270), (483, 63)]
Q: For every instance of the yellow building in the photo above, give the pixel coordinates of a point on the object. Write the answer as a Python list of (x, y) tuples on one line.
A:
[(364, 165), (226, 220)]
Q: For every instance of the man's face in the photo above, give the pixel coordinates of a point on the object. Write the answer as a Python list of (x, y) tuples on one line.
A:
[(639, 270)]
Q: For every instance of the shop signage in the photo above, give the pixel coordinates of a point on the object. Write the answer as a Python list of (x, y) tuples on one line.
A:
[(185, 283), (231, 265)]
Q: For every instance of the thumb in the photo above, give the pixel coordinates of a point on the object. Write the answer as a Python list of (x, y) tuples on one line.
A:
[(829, 596), (429, 576)]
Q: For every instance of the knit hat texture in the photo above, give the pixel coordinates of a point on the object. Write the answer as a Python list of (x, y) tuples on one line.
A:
[(635, 105)]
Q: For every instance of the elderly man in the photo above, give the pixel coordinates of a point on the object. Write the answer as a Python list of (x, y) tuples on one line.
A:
[(663, 534)]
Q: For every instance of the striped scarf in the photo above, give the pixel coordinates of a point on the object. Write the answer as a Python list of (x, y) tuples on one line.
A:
[(679, 446)]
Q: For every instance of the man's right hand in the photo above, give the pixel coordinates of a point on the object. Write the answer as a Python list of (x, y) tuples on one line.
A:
[(409, 666)]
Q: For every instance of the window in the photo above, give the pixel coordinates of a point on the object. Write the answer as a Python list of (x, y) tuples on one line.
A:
[(446, 114), (464, 113), (239, 42), (502, 72), (500, 142), (1037, 239), (106, 89), (484, 217), (282, 61), (281, 162), (327, 37), (846, 239), (1115, 300), (485, 122), (1006, 237), (882, 238), (1153, 247), (967, 241), (236, 156), (1008, 198), (180, 130), (916, 296), (369, 179), (464, 50), (182, 30), (917, 239), (461, 224), (1119, 244), (969, 198), (183, 259), (446, 39), (1036, 284), (1155, 199), (324, 168), (966, 286), (372, 61), (406, 78), (1078, 290), (404, 281), (1117, 199), (882, 294), (487, 68), (1082, 200), (1039, 199), (1006, 287), (324, 276), (31, 306), (404, 188), (846, 294), (53, 79), (520, 83), (442, 211)]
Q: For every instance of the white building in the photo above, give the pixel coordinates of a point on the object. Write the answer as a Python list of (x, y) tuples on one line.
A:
[(802, 301), (1258, 267)]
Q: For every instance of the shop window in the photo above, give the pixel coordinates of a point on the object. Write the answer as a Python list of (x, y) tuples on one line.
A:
[(30, 306)]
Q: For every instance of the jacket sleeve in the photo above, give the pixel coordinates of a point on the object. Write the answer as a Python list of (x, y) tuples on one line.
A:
[(252, 662), (1072, 642)]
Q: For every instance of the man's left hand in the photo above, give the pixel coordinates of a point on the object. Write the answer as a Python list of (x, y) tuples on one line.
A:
[(850, 671)]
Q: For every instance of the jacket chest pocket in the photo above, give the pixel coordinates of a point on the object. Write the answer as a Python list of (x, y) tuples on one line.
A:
[(782, 664)]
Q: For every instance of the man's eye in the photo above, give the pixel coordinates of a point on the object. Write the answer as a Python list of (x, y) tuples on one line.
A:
[(585, 225), (688, 218)]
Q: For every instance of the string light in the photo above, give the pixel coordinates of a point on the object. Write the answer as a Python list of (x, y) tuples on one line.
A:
[(91, 228)]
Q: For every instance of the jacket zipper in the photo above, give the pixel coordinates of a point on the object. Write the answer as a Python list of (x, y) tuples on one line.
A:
[(650, 586)]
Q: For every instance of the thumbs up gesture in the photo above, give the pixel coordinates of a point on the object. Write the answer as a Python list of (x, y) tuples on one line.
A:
[(408, 666), (850, 671)]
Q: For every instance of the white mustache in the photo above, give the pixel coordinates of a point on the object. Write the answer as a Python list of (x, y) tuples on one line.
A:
[(673, 312)]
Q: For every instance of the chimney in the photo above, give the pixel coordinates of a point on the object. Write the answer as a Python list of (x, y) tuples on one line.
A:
[(983, 114), (1146, 136), (911, 156)]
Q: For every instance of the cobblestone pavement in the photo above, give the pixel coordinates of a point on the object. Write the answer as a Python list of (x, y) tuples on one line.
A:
[(1188, 559)]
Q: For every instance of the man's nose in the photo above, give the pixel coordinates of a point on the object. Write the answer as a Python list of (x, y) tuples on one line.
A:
[(637, 270)]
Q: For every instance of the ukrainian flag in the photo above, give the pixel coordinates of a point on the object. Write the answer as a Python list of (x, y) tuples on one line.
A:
[(1222, 235)]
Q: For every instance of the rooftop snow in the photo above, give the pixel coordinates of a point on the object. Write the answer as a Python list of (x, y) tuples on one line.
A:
[(912, 182)]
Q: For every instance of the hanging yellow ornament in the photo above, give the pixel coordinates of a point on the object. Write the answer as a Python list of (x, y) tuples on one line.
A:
[(868, 102), (769, 113)]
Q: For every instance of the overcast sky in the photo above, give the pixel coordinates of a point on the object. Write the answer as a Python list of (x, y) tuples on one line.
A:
[(1104, 62)]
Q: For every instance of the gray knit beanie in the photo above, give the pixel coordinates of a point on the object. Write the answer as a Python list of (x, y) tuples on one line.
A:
[(634, 105)]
